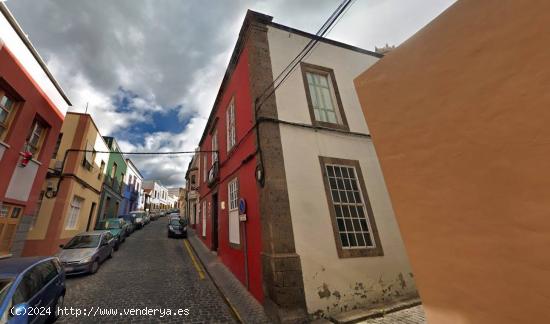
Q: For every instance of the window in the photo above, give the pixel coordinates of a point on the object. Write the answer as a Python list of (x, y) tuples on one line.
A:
[(325, 105), (29, 286), (352, 218), (214, 147), (121, 181), (233, 202), (113, 173), (204, 171), (10, 211), (101, 170), (204, 218), (192, 181), (57, 144), (36, 138), (231, 135), (37, 208), (74, 213), (89, 157), (7, 108)]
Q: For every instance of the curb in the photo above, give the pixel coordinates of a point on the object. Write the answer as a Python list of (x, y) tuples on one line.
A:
[(364, 314), (232, 308)]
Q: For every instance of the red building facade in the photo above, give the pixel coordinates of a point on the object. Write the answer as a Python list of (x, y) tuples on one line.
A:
[(235, 164), (32, 108)]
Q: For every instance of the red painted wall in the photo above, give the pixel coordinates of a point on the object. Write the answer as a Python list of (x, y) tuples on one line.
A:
[(35, 103), (231, 166)]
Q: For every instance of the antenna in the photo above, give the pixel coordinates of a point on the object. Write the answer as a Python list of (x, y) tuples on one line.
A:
[(86, 108)]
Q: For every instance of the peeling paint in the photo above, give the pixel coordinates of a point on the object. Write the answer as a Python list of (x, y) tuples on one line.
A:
[(336, 294), (402, 281), (325, 292)]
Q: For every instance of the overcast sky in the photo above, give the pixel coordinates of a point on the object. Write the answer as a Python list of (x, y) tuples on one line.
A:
[(150, 69)]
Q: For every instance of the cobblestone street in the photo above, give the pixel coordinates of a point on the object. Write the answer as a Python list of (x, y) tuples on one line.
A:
[(148, 271)]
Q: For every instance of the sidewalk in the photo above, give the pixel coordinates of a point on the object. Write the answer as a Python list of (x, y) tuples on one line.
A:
[(248, 308), (413, 315)]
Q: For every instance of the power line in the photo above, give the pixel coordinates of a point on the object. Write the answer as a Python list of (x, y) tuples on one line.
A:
[(141, 153), (285, 73)]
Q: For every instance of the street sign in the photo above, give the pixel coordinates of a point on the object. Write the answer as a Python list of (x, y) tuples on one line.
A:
[(242, 217), (242, 206)]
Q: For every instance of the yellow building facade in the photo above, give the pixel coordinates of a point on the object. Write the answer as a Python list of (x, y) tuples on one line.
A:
[(70, 196)]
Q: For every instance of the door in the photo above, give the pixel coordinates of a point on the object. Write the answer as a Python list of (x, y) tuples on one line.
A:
[(30, 291), (9, 218), (53, 284), (92, 210), (215, 222), (104, 247)]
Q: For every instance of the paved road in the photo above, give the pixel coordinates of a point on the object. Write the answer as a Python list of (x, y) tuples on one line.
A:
[(148, 271)]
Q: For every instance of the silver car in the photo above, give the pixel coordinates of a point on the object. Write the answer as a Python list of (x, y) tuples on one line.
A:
[(85, 252), (139, 217)]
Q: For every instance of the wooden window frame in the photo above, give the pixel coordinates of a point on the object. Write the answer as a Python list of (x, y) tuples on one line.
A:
[(214, 148), (16, 103), (306, 67), (231, 127), (41, 139), (69, 213), (343, 252), (229, 210), (57, 145)]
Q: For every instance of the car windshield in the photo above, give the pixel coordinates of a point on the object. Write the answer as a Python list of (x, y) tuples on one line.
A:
[(175, 222), (83, 242), (114, 224), (5, 284)]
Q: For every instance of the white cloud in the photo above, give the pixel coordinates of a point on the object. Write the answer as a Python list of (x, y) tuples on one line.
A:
[(162, 55)]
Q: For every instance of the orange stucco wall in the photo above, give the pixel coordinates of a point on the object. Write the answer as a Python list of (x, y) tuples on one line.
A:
[(460, 118)]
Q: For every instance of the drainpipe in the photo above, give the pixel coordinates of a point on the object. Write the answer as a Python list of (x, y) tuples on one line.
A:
[(246, 256)]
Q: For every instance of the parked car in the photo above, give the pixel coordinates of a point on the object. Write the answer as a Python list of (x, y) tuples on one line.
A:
[(177, 227), (130, 221), (117, 227), (139, 217), (154, 216), (174, 215), (85, 252), (31, 282)]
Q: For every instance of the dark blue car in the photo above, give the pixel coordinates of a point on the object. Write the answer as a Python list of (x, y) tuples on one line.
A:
[(31, 289)]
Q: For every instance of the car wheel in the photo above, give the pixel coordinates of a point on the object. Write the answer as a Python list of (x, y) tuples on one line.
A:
[(55, 314), (94, 267)]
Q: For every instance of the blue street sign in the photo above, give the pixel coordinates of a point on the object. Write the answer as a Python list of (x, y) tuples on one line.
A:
[(242, 206)]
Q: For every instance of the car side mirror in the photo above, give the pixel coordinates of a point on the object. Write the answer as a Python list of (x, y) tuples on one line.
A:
[(20, 311)]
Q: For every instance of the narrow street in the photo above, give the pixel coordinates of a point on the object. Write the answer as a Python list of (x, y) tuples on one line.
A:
[(148, 271)]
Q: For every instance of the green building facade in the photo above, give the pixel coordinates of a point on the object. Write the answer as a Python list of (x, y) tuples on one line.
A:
[(113, 182)]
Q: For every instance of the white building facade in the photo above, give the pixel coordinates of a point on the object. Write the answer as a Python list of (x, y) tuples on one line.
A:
[(158, 194), (345, 233), (134, 181)]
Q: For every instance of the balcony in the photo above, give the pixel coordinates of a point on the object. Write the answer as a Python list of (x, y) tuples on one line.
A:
[(213, 174)]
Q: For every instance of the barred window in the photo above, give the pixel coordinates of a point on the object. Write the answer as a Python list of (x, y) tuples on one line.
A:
[(74, 213), (353, 225), (7, 106), (352, 217), (233, 198), (230, 117)]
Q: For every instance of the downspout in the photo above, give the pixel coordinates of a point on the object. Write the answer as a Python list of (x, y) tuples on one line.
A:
[(246, 256)]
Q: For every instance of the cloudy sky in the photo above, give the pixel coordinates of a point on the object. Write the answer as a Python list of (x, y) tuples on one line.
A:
[(149, 70)]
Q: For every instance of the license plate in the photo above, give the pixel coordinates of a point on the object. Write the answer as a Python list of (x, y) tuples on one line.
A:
[(69, 268)]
